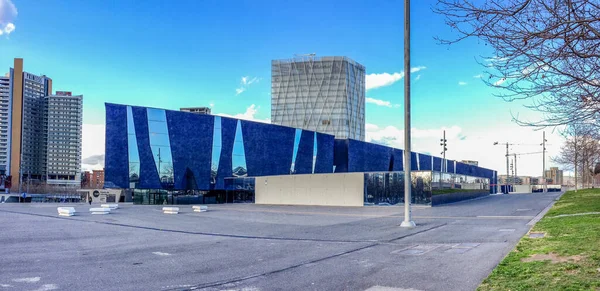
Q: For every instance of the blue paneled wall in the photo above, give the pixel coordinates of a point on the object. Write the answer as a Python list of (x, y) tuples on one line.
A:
[(268, 150), (116, 157)]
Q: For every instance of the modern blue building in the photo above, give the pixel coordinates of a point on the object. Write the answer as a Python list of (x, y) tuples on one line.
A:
[(175, 156)]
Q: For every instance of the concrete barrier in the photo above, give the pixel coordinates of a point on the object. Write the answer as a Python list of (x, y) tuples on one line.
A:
[(100, 210), (112, 206), (200, 208), (66, 211), (170, 210)]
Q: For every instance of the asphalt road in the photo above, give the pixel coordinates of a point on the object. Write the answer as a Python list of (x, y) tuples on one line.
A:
[(254, 247)]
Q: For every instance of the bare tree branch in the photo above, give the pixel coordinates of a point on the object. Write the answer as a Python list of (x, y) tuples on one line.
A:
[(547, 52)]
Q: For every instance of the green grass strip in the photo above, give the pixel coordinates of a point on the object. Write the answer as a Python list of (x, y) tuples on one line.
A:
[(571, 246)]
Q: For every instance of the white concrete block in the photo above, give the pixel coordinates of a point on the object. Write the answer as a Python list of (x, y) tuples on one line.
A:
[(66, 211), (100, 210), (170, 210), (112, 206), (200, 208)]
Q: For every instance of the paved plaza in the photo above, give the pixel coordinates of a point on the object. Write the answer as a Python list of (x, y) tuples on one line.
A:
[(257, 247)]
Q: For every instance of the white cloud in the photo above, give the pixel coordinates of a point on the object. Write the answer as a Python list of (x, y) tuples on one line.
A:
[(8, 12), (92, 146), (418, 78), (379, 102), (211, 105), (10, 27), (499, 82), (461, 83), (385, 79), (477, 76), (249, 114), (244, 83)]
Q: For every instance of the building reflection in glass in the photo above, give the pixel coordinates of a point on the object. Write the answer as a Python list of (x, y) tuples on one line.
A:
[(295, 153), (240, 190), (216, 150), (161, 148), (132, 151), (314, 161), (238, 157)]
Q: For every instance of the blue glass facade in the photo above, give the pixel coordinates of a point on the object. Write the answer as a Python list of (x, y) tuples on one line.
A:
[(149, 148)]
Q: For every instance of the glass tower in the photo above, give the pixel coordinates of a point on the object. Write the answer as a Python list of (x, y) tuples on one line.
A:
[(324, 94)]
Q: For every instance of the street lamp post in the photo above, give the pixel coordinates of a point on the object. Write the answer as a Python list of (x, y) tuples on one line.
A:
[(407, 177)]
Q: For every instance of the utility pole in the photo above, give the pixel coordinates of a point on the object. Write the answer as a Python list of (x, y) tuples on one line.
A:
[(544, 162), (407, 177), (444, 149), (516, 176), (506, 182)]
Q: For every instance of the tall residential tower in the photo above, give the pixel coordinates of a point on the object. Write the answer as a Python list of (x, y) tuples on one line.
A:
[(4, 122), (43, 132), (324, 94), (62, 142)]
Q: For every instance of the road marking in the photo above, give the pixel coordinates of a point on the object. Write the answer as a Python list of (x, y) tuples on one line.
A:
[(505, 217), (474, 217), (311, 212), (383, 288), (47, 287), (161, 254), (27, 280), (389, 215)]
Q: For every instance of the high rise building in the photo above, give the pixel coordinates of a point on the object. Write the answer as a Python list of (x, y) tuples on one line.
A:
[(199, 110), (61, 145), (554, 176), (324, 94), (4, 122), (44, 131)]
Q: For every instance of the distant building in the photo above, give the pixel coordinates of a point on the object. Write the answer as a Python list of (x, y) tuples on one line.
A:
[(40, 133), (61, 146), (199, 110), (4, 122), (472, 163), (554, 176), (93, 179), (26, 125), (85, 179), (323, 94)]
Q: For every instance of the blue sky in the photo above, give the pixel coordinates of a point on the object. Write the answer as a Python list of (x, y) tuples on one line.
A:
[(173, 54)]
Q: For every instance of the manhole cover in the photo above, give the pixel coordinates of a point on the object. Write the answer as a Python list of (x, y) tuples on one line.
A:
[(537, 235)]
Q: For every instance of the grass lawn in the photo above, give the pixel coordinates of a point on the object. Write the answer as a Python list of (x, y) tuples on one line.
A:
[(571, 246)]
